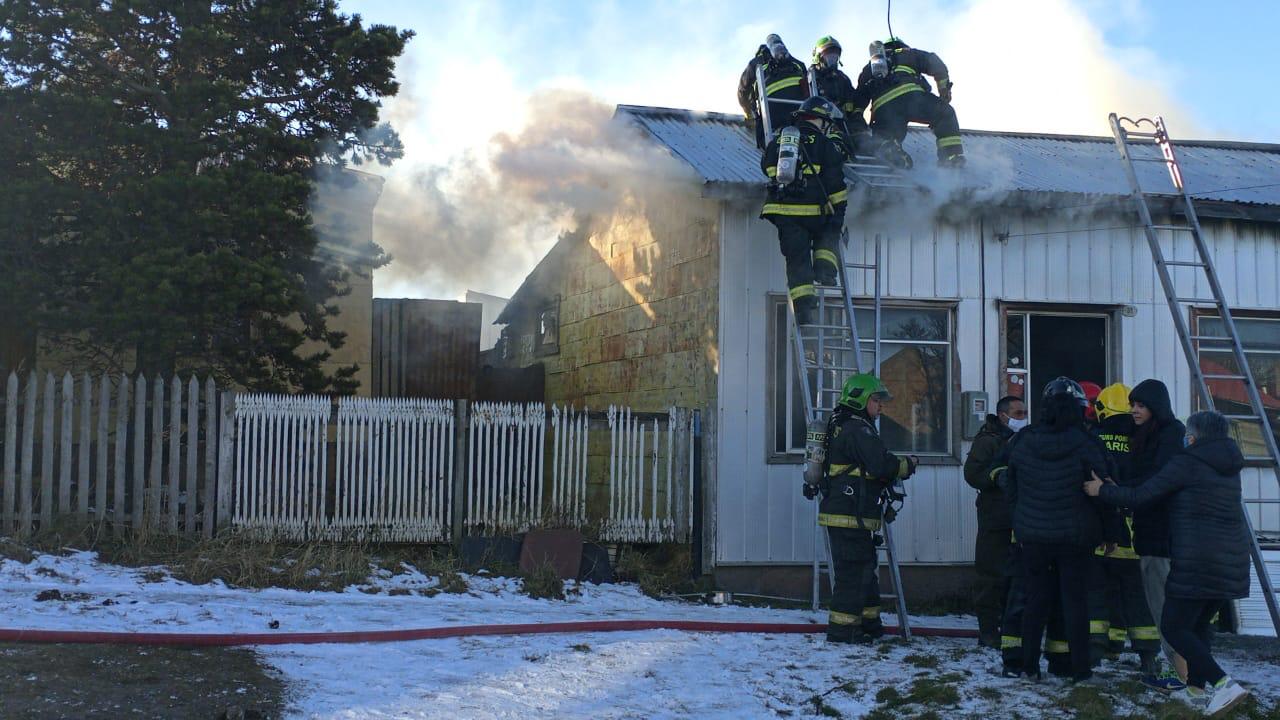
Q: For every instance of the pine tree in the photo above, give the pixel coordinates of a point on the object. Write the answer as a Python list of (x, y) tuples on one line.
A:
[(156, 159)]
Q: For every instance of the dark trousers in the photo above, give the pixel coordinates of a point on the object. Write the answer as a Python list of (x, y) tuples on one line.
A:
[(991, 563), (1056, 572), (1014, 603), (889, 122), (1185, 624), (855, 602), (808, 244)]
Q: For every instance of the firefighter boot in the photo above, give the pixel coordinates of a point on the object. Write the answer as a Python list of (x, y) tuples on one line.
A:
[(892, 154)]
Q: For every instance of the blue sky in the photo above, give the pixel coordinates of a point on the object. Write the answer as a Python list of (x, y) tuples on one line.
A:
[(1032, 65)]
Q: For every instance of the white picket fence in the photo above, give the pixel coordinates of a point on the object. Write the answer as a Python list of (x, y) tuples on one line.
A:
[(395, 465), (650, 478), (114, 450), (280, 463)]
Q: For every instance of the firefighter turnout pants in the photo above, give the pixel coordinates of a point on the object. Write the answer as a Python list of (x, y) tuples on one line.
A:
[(808, 243), (991, 562), (889, 120), (1116, 594), (855, 603)]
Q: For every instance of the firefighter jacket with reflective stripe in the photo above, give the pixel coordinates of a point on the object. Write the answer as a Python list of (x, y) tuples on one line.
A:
[(784, 79), (859, 469), (835, 86), (819, 187), (907, 68)]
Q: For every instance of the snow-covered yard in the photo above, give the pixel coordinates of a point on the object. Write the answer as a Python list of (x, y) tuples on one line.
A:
[(645, 674)]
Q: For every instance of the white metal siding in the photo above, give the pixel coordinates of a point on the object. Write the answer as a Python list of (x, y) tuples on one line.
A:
[(761, 515)]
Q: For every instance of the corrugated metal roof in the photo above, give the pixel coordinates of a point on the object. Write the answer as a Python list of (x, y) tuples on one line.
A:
[(719, 148)]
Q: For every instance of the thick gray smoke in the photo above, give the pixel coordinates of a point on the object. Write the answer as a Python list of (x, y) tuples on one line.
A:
[(483, 221)]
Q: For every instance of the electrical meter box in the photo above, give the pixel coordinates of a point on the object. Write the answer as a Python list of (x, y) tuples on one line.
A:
[(977, 405)]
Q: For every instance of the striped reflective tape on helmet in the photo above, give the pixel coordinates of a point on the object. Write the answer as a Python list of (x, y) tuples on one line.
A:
[(896, 93), (782, 84)]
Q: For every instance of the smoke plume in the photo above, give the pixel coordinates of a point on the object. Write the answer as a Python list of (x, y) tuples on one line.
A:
[(484, 218)]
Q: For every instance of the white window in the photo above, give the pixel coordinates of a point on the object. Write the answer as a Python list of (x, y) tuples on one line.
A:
[(1260, 335), (916, 360)]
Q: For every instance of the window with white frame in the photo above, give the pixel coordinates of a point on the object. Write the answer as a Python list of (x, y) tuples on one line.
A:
[(916, 357), (1260, 336)]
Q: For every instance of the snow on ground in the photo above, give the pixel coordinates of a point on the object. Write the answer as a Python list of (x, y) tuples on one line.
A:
[(647, 674)]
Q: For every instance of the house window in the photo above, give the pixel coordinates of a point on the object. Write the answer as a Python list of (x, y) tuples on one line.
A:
[(916, 359), (548, 342), (1260, 336)]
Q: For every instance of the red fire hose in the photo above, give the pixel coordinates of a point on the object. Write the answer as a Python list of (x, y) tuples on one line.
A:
[(366, 636)]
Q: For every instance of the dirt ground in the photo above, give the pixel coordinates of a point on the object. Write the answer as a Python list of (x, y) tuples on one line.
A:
[(125, 681)]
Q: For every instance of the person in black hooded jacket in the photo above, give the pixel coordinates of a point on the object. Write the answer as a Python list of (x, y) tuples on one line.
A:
[(1057, 527), (1157, 437), (1208, 546)]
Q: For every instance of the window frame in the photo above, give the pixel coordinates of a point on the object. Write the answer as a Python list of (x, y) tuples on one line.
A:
[(1195, 315), (1112, 332), (795, 456)]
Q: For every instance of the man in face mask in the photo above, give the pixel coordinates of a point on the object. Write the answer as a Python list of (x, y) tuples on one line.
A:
[(851, 132), (785, 79), (991, 553)]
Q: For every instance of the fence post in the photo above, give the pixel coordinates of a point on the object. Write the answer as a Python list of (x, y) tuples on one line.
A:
[(28, 443), (86, 438), (121, 451), (10, 452), (47, 442), (210, 457), (456, 495), (64, 445), (139, 452), (226, 451)]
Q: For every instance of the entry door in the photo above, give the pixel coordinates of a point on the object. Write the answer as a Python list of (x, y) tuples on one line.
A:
[(1042, 346)]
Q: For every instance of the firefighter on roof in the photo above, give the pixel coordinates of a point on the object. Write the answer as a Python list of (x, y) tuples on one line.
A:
[(806, 201), (859, 471), (836, 86), (894, 81), (785, 78)]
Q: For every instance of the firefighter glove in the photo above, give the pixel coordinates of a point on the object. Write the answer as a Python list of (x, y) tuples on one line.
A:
[(944, 92), (810, 491)]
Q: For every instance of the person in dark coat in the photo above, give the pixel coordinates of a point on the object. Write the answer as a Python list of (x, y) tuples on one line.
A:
[(1157, 437), (1057, 527), (1208, 546), (995, 523)]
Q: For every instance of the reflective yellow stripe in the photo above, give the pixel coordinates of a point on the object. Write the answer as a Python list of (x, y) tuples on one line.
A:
[(896, 93), (1120, 553), (1057, 646), (838, 618), (943, 82), (825, 256), (771, 171), (1010, 641), (948, 141), (1013, 537), (1145, 632), (782, 84), (791, 210), (839, 196), (903, 467), (906, 69), (812, 169), (800, 291), (848, 521), (871, 613), (1117, 634), (1099, 627)]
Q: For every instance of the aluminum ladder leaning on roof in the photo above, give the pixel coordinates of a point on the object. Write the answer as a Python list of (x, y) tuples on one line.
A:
[(1193, 344)]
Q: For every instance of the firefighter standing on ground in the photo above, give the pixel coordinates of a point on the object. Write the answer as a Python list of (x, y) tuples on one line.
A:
[(899, 94), (995, 523), (859, 470), (785, 78), (807, 209), (1118, 592)]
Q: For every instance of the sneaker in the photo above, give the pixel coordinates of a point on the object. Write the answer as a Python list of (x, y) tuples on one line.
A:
[(1226, 694), (1166, 681), (1011, 672), (1195, 698)]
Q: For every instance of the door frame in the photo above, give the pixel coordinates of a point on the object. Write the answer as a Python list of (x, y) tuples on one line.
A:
[(1109, 312)]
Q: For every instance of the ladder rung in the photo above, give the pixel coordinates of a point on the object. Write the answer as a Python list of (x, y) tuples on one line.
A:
[(1268, 501), (1209, 338), (1159, 160), (1186, 228), (1185, 263), (1259, 458), (1224, 377), (1138, 134), (863, 266), (1195, 301), (1157, 193), (1249, 418)]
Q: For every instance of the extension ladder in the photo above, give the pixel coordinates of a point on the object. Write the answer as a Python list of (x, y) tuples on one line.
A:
[(1193, 343)]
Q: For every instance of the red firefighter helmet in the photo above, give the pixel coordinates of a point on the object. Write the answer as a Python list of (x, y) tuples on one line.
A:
[(1091, 392)]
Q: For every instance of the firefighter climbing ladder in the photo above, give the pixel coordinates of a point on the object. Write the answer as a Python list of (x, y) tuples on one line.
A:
[(831, 350), (1192, 343)]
